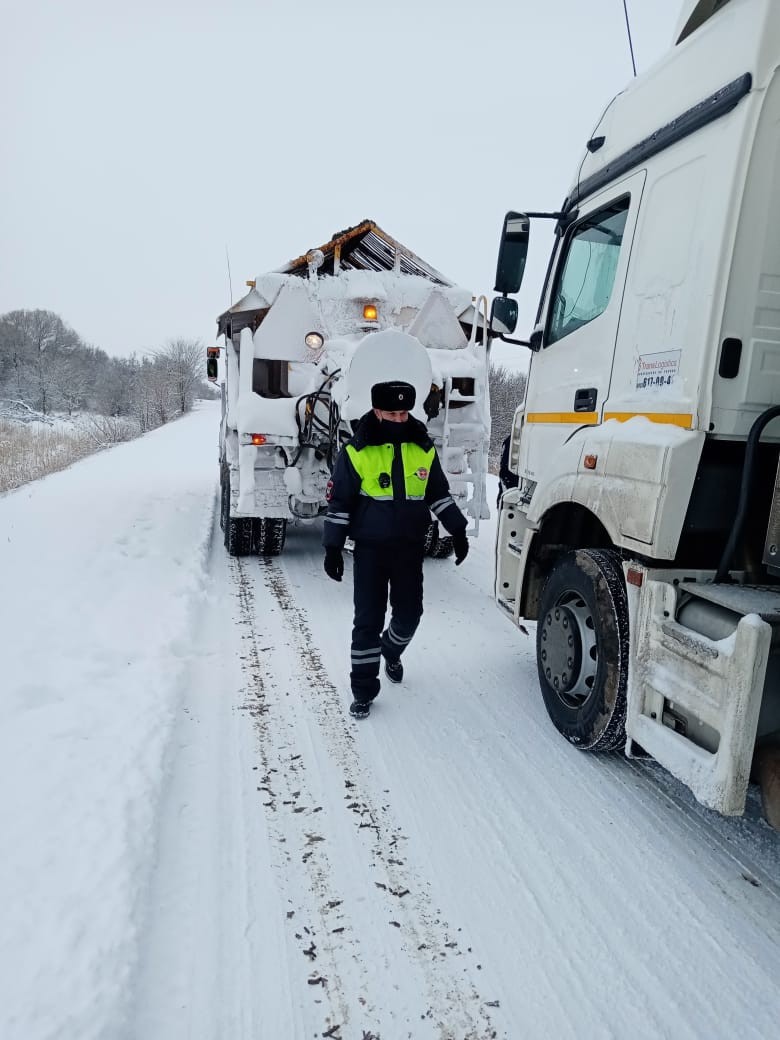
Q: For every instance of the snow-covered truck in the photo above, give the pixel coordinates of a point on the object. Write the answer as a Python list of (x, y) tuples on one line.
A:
[(644, 534), (302, 349)]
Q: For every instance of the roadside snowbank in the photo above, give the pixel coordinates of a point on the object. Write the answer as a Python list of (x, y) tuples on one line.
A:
[(101, 567)]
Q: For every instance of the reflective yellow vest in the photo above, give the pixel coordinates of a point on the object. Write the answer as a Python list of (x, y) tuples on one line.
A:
[(373, 460)]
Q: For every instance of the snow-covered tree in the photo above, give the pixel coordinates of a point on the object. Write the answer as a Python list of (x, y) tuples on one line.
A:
[(507, 390), (114, 388), (182, 361), (45, 366), (34, 345)]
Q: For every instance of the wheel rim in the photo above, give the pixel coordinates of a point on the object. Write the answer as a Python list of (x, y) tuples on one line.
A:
[(569, 652)]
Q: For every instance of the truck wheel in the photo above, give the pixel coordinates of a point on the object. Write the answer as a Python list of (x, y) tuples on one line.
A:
[(270, 535), (431, 538), (582, 648), (238, 536), (443, 548), (224, 503)]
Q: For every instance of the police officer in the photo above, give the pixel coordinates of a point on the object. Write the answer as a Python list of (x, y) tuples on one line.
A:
[(386, 482)]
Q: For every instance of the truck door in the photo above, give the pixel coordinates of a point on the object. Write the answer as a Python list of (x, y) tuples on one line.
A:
[(570, 374)]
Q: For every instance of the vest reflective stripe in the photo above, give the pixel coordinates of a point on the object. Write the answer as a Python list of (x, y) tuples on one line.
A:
[(373, 460)]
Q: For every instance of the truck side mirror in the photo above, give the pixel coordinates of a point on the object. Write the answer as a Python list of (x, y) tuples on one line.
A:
[(512, 253), (503, 315), (211, 369)]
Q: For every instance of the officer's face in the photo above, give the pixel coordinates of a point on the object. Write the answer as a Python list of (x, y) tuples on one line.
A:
[(380, 413)]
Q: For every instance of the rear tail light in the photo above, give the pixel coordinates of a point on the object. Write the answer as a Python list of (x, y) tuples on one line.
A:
[(258, 438)]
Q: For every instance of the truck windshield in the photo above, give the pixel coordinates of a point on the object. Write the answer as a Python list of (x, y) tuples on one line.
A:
[(584, 285)]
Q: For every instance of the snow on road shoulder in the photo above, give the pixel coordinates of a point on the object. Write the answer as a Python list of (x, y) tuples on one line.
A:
[(101, 567)]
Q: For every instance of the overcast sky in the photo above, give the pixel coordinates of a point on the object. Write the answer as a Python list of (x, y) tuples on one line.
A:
[(141, 139)]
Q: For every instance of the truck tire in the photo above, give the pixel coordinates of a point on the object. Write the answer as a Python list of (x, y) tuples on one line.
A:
[(443, 548), (238, 530), (224, 503), (582, 648), (431, 538), (238, 536), (269, 535)]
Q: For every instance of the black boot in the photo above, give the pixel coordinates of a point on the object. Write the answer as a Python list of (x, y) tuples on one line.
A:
[(394, 670), (360, 709)]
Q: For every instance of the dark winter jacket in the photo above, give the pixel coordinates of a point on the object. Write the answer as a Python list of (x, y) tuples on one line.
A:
[(374, 510)]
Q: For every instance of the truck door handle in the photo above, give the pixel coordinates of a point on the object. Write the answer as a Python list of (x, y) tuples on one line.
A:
[(585, 399)]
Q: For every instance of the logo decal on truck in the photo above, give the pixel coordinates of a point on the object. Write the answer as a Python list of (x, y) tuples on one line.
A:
[(657, 370)]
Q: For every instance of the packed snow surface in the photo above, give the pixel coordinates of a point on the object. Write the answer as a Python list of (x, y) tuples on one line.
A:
[(198, 842)]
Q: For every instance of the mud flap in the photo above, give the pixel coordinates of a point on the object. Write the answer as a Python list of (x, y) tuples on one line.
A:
[(683, 685)]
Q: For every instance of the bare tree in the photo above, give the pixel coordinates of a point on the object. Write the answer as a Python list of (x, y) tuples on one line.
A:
[(152, 400), (72, 380), (161, 393), (37, 340), (44, 365), (182, 360), (115, 386), (15, 368), (507, 391)]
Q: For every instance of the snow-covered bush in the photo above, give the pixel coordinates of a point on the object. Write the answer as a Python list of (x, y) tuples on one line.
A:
[(108, 429)]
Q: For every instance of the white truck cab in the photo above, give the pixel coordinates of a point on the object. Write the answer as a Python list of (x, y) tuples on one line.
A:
[(644, 534)]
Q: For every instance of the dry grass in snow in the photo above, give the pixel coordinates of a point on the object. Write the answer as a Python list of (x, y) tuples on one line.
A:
[(32, 450)]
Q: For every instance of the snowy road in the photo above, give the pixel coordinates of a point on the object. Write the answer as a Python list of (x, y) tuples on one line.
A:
[(449, 868)]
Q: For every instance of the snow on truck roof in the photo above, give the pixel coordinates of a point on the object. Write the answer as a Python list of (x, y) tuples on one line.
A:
[(366, 247), (362, 249)]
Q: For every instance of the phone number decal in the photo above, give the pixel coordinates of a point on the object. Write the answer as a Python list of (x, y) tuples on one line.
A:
[(657, 370)]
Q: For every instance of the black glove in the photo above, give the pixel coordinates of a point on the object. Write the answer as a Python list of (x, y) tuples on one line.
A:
[(334, 563), (460, 544)]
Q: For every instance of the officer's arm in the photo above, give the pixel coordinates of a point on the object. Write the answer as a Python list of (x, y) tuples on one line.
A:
[(440, 501), (343, 493)]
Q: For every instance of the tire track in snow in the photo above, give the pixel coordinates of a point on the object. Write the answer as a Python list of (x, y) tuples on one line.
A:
[(453, 1008), (282, 782)]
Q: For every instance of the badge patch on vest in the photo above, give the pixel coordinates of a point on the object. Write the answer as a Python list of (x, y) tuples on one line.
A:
[(329, 491), (422, 473)]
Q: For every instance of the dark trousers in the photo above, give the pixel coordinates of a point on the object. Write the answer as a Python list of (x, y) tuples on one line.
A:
[(377, 567)]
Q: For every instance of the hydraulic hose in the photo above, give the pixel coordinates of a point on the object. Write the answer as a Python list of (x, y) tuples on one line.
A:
[(751, 448), (305, 430)]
